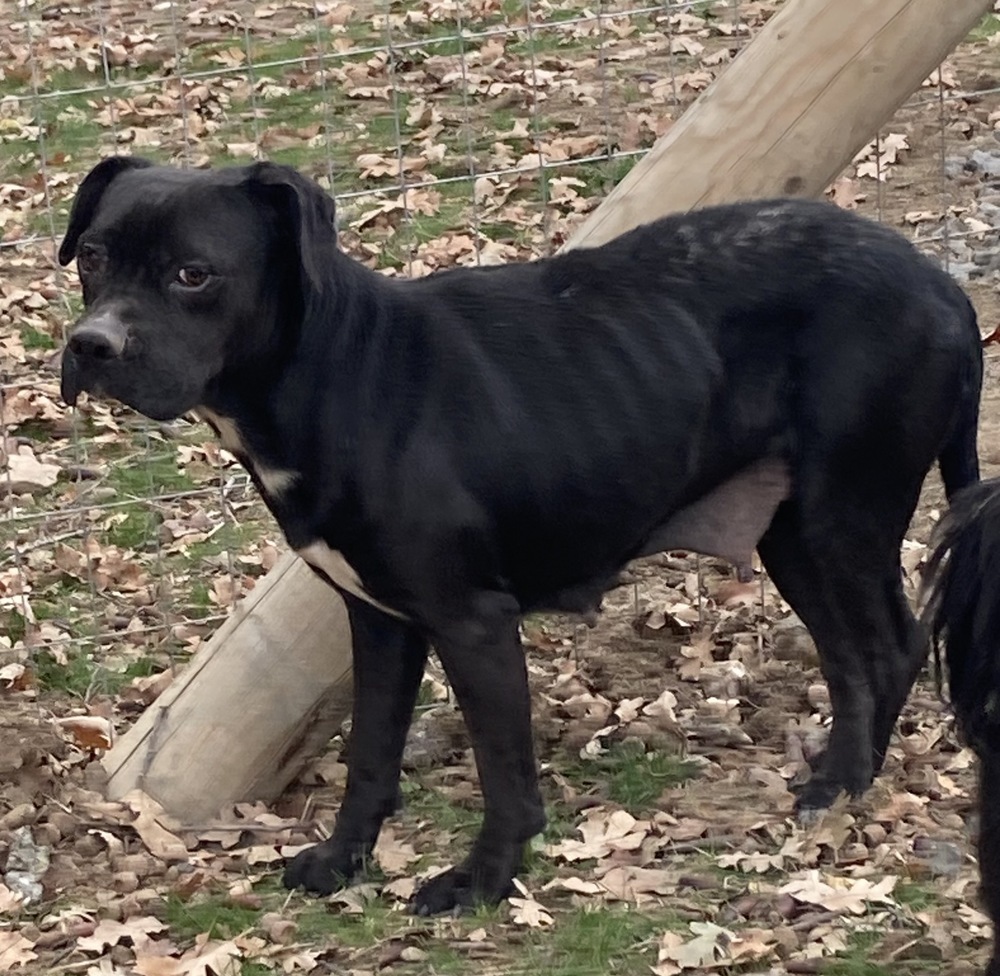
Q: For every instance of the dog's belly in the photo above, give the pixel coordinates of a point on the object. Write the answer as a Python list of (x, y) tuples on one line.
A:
[(726, 522), (729, 521), (331, 564)]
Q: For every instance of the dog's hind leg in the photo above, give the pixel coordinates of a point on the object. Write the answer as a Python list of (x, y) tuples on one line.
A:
[(487, 671), (841, 574), (389, 658)]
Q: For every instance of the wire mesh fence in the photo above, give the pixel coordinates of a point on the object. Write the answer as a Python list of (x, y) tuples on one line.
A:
[(450, 132)]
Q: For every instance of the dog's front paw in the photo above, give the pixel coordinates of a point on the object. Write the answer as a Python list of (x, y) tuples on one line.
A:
[(815, 797), (322, 869), (485, 877), (456, 890)]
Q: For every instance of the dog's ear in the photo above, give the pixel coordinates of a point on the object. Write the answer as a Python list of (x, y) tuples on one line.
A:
[(88, 197), (308, 209)]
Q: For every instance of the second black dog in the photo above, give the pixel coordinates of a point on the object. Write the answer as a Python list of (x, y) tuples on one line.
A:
[(456, 451)]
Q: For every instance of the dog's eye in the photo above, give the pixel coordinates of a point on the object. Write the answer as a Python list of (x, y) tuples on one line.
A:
[(192, 277), (89, 260)]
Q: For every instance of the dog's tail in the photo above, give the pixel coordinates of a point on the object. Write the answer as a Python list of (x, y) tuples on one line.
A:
[(962, 584), (962, 607), (989, 847), (959, 459)]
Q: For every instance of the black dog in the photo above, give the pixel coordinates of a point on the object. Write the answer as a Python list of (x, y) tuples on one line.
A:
[(963, 609), (456, 451)]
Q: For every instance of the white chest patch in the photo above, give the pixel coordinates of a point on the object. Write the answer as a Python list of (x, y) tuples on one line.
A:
[(225, 427), (340, 571), (274, 481)]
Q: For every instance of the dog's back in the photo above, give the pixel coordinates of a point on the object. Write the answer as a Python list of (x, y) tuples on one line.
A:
[(622, 383)]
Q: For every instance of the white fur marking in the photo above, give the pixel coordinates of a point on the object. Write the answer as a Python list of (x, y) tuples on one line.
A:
[(229, 434), (341, 572), (275, 482)]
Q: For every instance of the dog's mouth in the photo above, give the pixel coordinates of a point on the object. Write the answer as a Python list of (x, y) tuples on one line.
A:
[(158, 397), (72, 383)]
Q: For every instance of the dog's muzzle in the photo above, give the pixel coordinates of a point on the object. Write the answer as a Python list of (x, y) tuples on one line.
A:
[(97, 342)]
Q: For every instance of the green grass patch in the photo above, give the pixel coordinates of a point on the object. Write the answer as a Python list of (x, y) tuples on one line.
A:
[(255, 969), (13, 625), (594, 940), (77, 677), (376, 923), (601, 177), (629, 775), (68, 602), (39, 431), (597, 941), (428, 804), (861, 958), (396, 248), (218, 916), (915, 896), (82, 675), (856, 959), (230, 538), (199, 601), (149, 473), (551, 40), (986, 28), (136, 529), (33, 338)]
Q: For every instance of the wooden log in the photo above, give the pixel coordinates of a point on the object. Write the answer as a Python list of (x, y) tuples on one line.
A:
[(793, 108), (269, 688), (259, 699)]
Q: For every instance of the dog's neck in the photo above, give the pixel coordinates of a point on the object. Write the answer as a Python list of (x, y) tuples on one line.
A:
[(276, 407)]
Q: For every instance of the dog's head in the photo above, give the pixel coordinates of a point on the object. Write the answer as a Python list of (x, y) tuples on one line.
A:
[(188, 275)]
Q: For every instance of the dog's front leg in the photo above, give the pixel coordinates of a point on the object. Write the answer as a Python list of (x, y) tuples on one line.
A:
[(389, 658), (487, 672)]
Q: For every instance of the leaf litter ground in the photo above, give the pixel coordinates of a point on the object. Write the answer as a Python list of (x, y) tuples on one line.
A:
[(668, 734)]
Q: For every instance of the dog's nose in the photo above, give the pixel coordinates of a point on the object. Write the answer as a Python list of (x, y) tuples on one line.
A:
[(102, 337)]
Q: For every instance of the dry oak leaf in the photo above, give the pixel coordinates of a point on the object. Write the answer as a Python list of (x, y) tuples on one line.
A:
[(205, 959), (635, 884), (295, 960), (88, 731), (278, 929), (15, 950), (15, 676), (401, 888), (602, 833), (575, 884), (526, 911), (393, 855), (147, 689), (875, 159), (842, 894), (109, 933), (703, 951), (27, 475), (149, 825), (844, 193), (9, 902)]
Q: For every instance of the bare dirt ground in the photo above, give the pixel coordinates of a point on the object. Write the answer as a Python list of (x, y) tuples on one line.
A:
[(668, 734)]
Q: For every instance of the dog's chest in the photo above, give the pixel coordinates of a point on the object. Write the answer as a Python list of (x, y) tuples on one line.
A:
[(275, 484), (331, 564)]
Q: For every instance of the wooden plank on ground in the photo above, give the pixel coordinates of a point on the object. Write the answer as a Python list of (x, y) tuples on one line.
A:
[(255, 702)]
